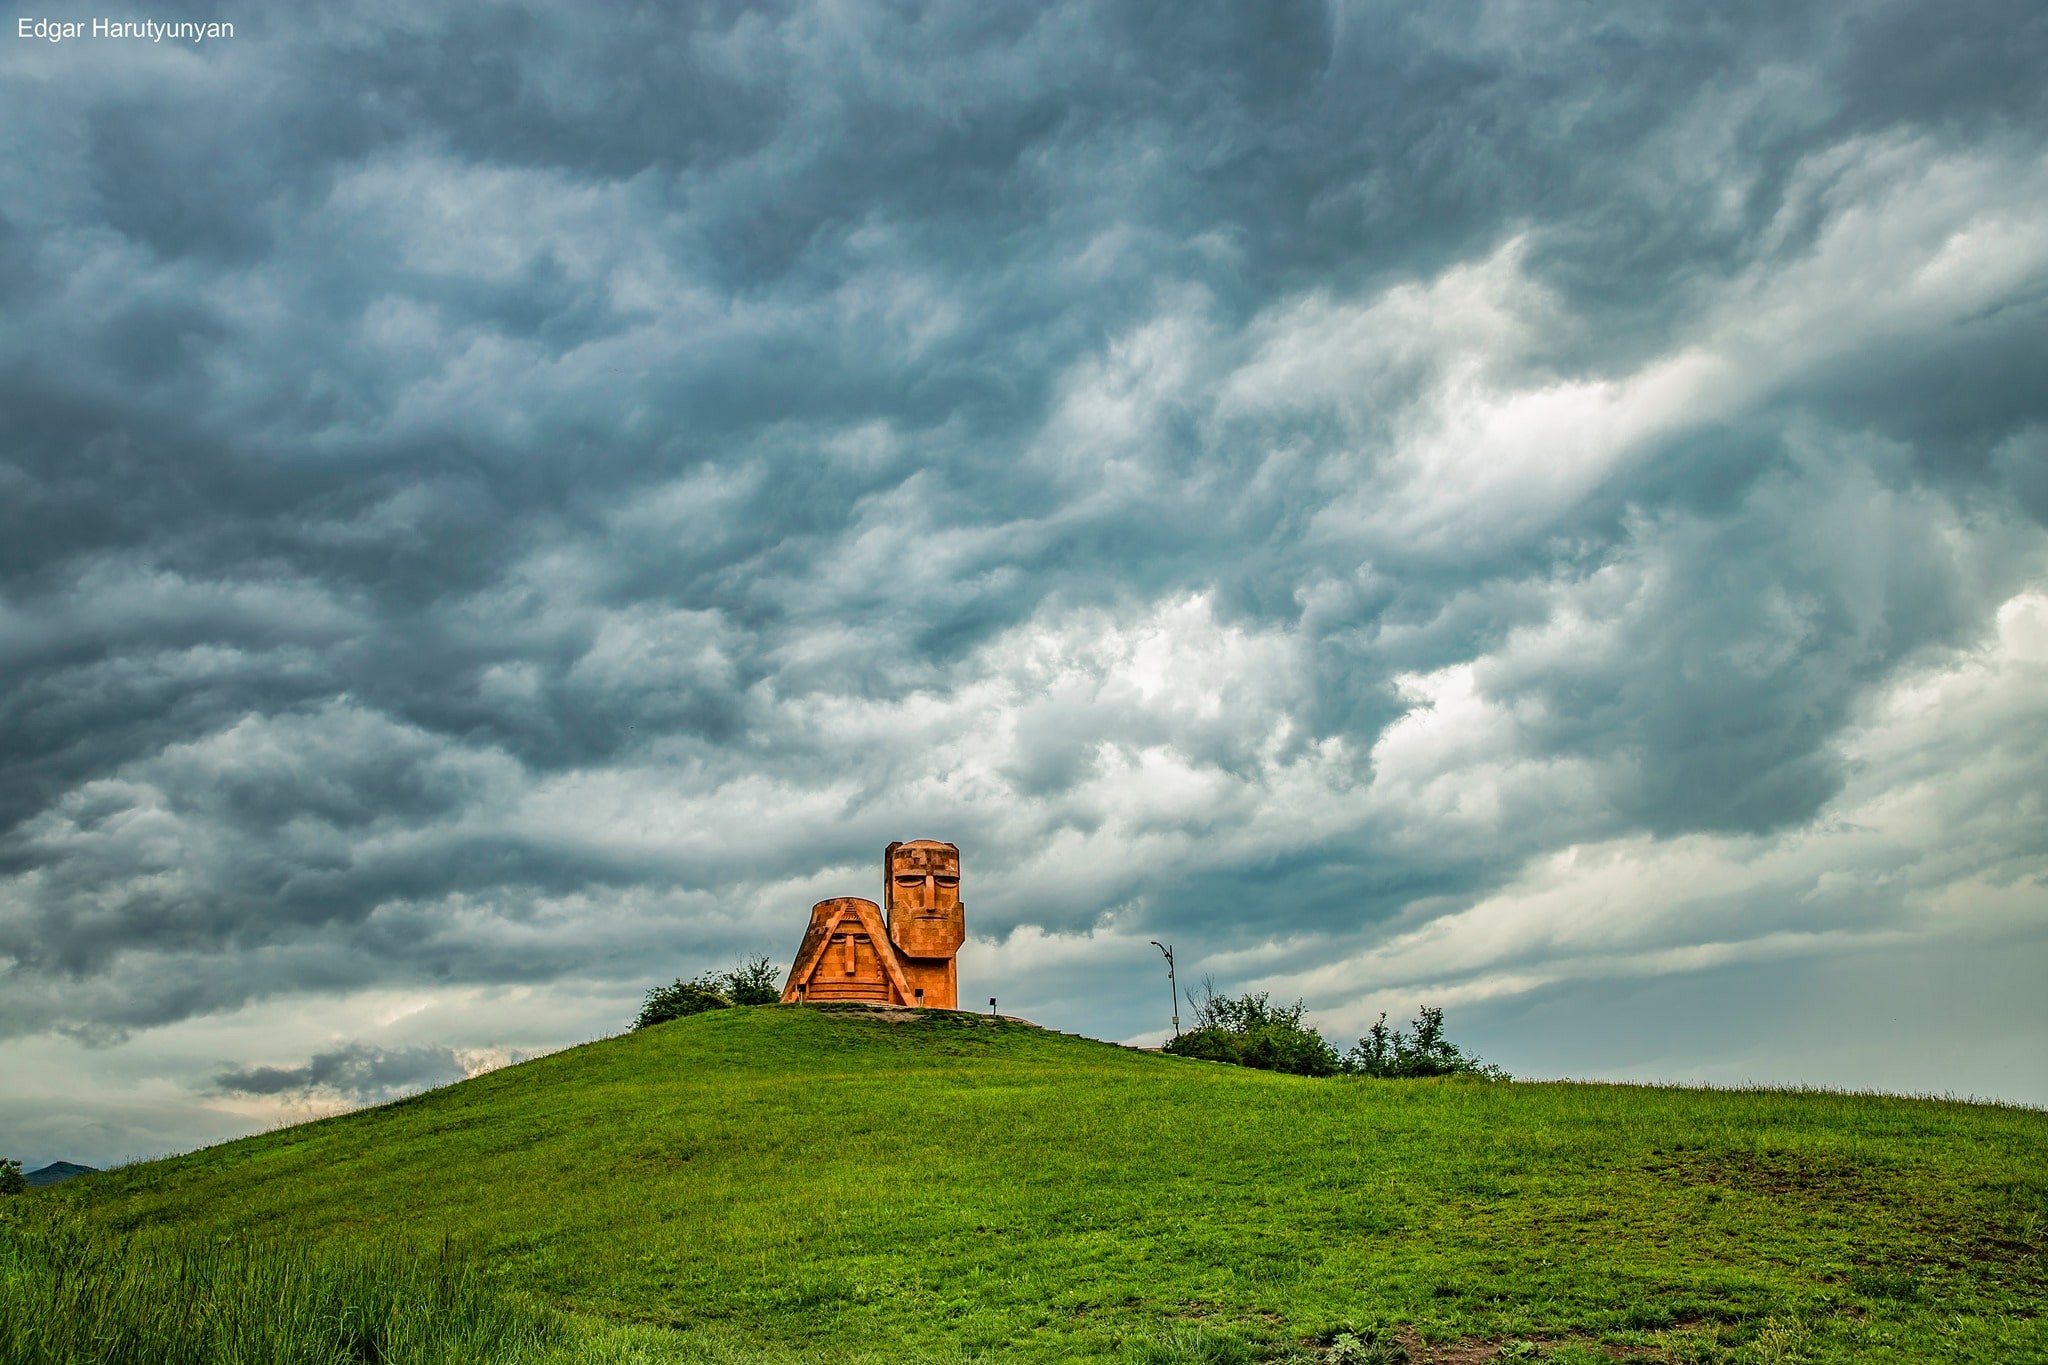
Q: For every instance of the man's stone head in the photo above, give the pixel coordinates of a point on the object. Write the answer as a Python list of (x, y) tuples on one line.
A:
[(921, 889)]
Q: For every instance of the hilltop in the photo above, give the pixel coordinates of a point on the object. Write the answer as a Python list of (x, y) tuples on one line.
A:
[(825, 1183)]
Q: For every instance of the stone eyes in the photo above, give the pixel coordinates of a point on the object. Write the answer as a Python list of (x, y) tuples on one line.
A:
[(914, 878)]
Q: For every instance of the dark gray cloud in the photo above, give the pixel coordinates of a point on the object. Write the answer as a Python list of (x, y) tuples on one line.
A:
[(365, 1075), (505, 497)]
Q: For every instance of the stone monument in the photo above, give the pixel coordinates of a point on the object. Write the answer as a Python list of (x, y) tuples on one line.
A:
[(852, 952)]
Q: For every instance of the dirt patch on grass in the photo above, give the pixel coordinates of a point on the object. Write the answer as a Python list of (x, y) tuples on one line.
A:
[(1473, 1350), (1406, 1347), (1803, 1175)]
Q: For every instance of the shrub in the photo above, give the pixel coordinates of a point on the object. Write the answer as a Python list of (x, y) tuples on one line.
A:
[(1425, 1052), (1250, 1030), (12, 1181), (753, 982), (679, 1000)]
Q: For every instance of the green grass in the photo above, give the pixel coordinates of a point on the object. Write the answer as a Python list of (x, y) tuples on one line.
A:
[(73, 1294), (807, 1184)]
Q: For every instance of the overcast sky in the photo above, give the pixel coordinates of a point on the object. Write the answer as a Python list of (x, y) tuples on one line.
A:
[(1534, 508)]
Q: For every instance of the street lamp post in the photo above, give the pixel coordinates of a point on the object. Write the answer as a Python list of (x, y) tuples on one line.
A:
[(1172, 984)]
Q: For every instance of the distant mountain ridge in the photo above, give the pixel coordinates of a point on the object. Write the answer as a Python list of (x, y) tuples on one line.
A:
[(56, 1173)]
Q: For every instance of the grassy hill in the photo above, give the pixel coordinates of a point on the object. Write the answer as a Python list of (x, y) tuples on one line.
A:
[(818, 1184)]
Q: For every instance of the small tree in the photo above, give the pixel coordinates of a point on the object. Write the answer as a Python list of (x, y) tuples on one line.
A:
[(1425, 1052), (754, 982), (1372, 1055), (12, 1181)]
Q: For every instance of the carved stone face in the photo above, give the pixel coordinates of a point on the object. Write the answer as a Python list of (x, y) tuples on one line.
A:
[(845, 962), (921, 889)]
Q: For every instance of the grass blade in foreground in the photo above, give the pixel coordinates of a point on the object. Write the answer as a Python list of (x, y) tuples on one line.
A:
[(72, 1293)]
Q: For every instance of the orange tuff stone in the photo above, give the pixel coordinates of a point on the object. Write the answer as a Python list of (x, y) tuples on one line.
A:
[(850, 952)]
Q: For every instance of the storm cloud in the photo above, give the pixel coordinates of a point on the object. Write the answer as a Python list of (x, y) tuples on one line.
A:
[(1470, 501), (357, 1073)]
